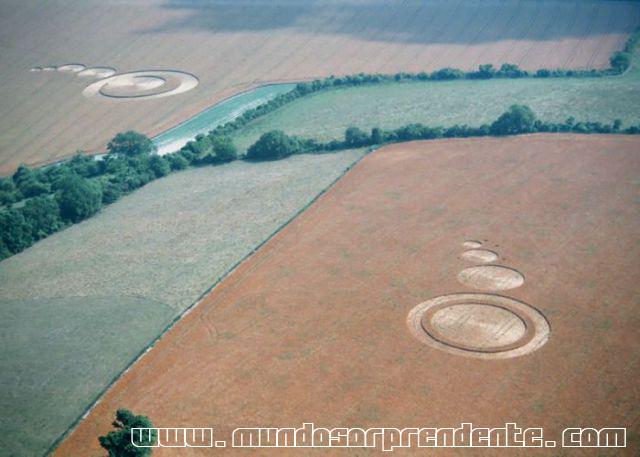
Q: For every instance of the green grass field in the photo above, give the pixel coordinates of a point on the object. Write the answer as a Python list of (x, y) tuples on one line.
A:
[(325, 115), (79, 305)]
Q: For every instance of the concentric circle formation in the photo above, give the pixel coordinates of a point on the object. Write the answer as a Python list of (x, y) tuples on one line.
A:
[(97, 72), (479, 325), (142, 84), (480, 255), (491, 277), (71, 67)]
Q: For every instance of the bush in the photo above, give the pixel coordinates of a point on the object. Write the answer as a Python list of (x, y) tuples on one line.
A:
[(118, 442), (177, 161), (376, 136), (518, 119), (31, 182), (131, 144), (273, 145), (79, 198)]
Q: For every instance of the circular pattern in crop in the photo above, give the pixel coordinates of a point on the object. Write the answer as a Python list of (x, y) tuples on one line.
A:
[(471, 244), (491, 277), (72, 67), (479, 325), (97, 72), (142, 84), (480, 255)]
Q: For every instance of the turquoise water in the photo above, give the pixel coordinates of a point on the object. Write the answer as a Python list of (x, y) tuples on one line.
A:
[(220, 113)]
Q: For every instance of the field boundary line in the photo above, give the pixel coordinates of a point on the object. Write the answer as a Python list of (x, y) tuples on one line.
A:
[(98, 398)]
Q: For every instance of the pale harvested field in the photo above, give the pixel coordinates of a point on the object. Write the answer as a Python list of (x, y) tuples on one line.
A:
[(313, 327), (78, 306), (231, 46)]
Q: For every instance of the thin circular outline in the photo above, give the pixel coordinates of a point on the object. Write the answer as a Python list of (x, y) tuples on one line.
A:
[(541, 330)]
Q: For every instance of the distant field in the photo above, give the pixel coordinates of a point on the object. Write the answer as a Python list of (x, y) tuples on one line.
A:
[(326, 115), (79, 305), (230, 46), (313, 328)]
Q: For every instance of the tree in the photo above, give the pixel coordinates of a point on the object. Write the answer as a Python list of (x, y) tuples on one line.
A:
[(376, 136), (617, 125), (518, 119), (159, 166), (30, 182), (354, 137), (224, 149), (272, 145), (42, 214), (131, 144), (620, 61), (15, 232), (119, 441), (79, 198)]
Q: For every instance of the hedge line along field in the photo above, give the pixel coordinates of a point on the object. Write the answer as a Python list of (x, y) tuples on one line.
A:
[(314, 326), (240, 45), (79, 306), (325, 115)]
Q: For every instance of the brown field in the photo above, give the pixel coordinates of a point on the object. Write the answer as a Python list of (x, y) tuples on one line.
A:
[(313, 327), (232, 46)]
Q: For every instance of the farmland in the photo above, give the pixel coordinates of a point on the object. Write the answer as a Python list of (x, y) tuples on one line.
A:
[(79, 306), (313, 327), (46, 117), (326, 115)]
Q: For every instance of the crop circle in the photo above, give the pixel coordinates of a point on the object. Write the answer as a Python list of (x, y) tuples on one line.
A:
[(491, 277), (97, 72), (479, 325), (480, 255), (142, 84)]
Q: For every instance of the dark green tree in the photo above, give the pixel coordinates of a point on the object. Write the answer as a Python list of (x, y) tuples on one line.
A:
[(42, 214), (118, 442), (30, 182), (79, 198), (131, 144), (376, 136), (159, 166), (355, 138), (272, 146), (224, 149), (15, 232), (518, 119)]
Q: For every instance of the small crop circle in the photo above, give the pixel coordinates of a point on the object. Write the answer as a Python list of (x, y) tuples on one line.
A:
[(491, 277)]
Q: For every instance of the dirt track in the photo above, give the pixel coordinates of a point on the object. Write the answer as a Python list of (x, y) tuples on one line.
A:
[(313, 327), (231, 46)]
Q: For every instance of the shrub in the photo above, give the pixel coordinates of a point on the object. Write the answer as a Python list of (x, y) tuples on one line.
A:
[(14, 231), (79, 198), (131, 143), (518, 119), (273, 145), (118, 442), (376, 136)]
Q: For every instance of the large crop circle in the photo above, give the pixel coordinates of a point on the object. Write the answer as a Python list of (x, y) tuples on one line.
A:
[(479, 325), (142, 84)]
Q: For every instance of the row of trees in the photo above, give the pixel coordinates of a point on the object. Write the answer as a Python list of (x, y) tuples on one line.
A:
[(38, 202), (518, 119)]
